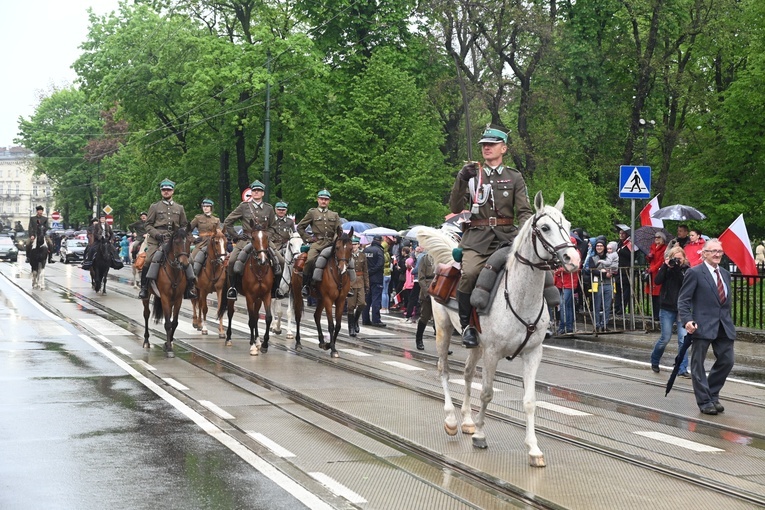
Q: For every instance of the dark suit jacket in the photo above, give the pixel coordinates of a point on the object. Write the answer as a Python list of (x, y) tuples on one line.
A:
[(698, 301)]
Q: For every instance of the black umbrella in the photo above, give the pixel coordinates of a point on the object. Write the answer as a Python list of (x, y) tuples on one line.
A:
[(678, 360), (644, 237), (679, 212)]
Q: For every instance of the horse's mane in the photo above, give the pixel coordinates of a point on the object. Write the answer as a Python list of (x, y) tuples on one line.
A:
[(438, 244)]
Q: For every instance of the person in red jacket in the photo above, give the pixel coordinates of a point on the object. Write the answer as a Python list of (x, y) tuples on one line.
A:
[(567, 283), (693, 247), (655, 260)]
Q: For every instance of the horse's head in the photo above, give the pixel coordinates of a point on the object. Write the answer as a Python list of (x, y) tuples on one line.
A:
[(217, 246), (260, 246), (343, 249), (179, 249), (550, 236), (293, 247)]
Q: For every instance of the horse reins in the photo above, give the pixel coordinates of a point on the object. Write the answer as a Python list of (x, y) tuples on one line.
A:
[(546, 264)]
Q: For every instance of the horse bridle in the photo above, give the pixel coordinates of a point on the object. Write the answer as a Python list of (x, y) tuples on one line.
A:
[(536, 235), (546, 264)]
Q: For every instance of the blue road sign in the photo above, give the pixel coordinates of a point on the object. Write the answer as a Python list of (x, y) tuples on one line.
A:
[(634, 181)]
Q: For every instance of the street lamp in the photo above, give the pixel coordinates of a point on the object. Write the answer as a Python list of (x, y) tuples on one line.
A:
[(645, 125)]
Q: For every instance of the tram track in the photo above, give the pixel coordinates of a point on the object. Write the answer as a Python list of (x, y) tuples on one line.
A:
[(483, 480)]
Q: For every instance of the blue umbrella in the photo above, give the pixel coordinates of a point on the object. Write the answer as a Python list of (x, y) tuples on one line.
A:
[(358, 226)]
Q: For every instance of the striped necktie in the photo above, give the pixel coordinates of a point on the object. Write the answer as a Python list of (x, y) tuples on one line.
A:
[(720, 288)]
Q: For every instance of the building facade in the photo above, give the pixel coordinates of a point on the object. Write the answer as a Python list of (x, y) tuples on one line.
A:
[(20, 190)]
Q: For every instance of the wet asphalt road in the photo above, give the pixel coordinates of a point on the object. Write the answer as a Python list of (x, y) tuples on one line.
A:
[(76, 431)]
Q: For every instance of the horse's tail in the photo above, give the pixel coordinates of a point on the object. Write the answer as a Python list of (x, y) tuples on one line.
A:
[(222, 305), (157, 312), (438, 244)]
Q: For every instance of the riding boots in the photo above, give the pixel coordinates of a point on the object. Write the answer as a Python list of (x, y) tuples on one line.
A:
[(351, 325), (231, 294), (418, 337), (307, 281), (469, 334), (144, 293), (356, 317)]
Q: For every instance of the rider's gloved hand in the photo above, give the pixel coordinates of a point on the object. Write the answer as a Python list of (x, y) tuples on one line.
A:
[(159, 237), (468, 171)]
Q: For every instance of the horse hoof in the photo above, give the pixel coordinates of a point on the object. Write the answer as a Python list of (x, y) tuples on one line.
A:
[(264, 349), (221, 335), (537, 461), (146, 344), (169, 354), (480, 442), (254, 351), (228, 343), (335, 354), (276, 331), (290, 336), (450, 430), (204, 332), (468, 428), (298, 347)]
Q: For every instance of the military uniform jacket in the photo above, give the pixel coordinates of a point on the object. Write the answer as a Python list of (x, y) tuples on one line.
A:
[(252, 216), (207, 226), (104, 232), (500, 195), (323, 225), (362, 275), (139, 227), (425, 273), (283, 229), (37, 220), (163, 218)]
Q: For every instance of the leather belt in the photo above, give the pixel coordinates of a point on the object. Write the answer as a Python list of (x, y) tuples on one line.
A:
[(487, 222)]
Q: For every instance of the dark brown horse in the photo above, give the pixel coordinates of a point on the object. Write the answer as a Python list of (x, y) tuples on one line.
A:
[(169, 288), (255, 284), (211, 278), (332, 290), (37, 256)]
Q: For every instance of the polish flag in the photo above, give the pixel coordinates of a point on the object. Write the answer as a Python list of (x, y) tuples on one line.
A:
[(645, 215), (738, 248)]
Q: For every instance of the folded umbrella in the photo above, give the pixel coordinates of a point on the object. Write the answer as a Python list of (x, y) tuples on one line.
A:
[(678, 360)]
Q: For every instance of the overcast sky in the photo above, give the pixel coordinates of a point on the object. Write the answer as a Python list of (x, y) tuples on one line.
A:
[(40, 40)]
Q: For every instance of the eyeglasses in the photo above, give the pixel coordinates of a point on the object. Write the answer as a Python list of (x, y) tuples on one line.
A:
[(714, 252)]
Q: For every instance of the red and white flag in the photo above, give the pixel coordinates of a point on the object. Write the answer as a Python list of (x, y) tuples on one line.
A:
[(645, 215), (738, 248)]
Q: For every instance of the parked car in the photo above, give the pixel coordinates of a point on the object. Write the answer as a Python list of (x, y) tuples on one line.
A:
[(72, 250), (8, 250)]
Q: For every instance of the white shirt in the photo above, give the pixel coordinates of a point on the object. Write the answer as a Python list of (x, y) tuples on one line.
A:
[(712, 271)]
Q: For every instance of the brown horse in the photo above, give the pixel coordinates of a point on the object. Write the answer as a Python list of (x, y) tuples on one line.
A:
[(255, 284), (211, 278), (332, 290), (169, 288)]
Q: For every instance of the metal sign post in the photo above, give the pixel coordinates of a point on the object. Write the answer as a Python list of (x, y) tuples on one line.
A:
[(634, 182)]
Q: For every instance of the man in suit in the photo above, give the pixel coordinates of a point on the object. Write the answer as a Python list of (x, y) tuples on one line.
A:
[(704, 307)]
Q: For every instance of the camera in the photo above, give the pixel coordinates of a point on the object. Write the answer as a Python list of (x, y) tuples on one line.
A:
[(673, 262)]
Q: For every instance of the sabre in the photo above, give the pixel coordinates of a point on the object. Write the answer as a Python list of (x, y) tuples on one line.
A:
[(468, 130)]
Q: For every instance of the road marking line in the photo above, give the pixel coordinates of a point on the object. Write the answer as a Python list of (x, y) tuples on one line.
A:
[(145, 365), (402, 365), (561, 409), (276, 448), (337, 488), (474, 385), (678, 441), (217, 410), (185, 328), (123, 350), (175, 384), (268, 470), (354, 352), (105, 327), (104, 339)]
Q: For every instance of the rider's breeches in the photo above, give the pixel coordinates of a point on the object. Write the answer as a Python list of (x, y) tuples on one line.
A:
[(472, 263), (313, 253)]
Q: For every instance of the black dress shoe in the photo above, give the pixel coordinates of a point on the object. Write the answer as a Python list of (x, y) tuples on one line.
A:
[(655, 368), (364, 323), (709, 409), (470, 338), (719, 407), (378, 325)]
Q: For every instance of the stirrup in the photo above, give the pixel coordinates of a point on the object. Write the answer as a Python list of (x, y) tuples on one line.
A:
[(231, 294), (144, 293), (306, 291)]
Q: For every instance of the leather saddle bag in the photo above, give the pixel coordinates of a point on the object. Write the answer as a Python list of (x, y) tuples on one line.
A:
[(444, 284)]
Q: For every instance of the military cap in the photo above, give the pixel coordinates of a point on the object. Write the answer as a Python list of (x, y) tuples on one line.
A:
[(167, 184), (355, 240), (257, 185), (39, 208), (281, 205), (323, 194), (102, 215), (492, 135), (143, 213), (207, 201)]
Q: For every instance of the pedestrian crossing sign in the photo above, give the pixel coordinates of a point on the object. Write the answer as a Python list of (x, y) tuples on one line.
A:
[(634, 181)]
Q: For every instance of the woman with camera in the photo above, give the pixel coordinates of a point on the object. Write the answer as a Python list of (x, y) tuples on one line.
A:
[(670, 277)]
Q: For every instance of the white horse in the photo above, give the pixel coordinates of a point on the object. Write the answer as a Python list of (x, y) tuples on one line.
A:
[(516, 321), (277, 310)]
